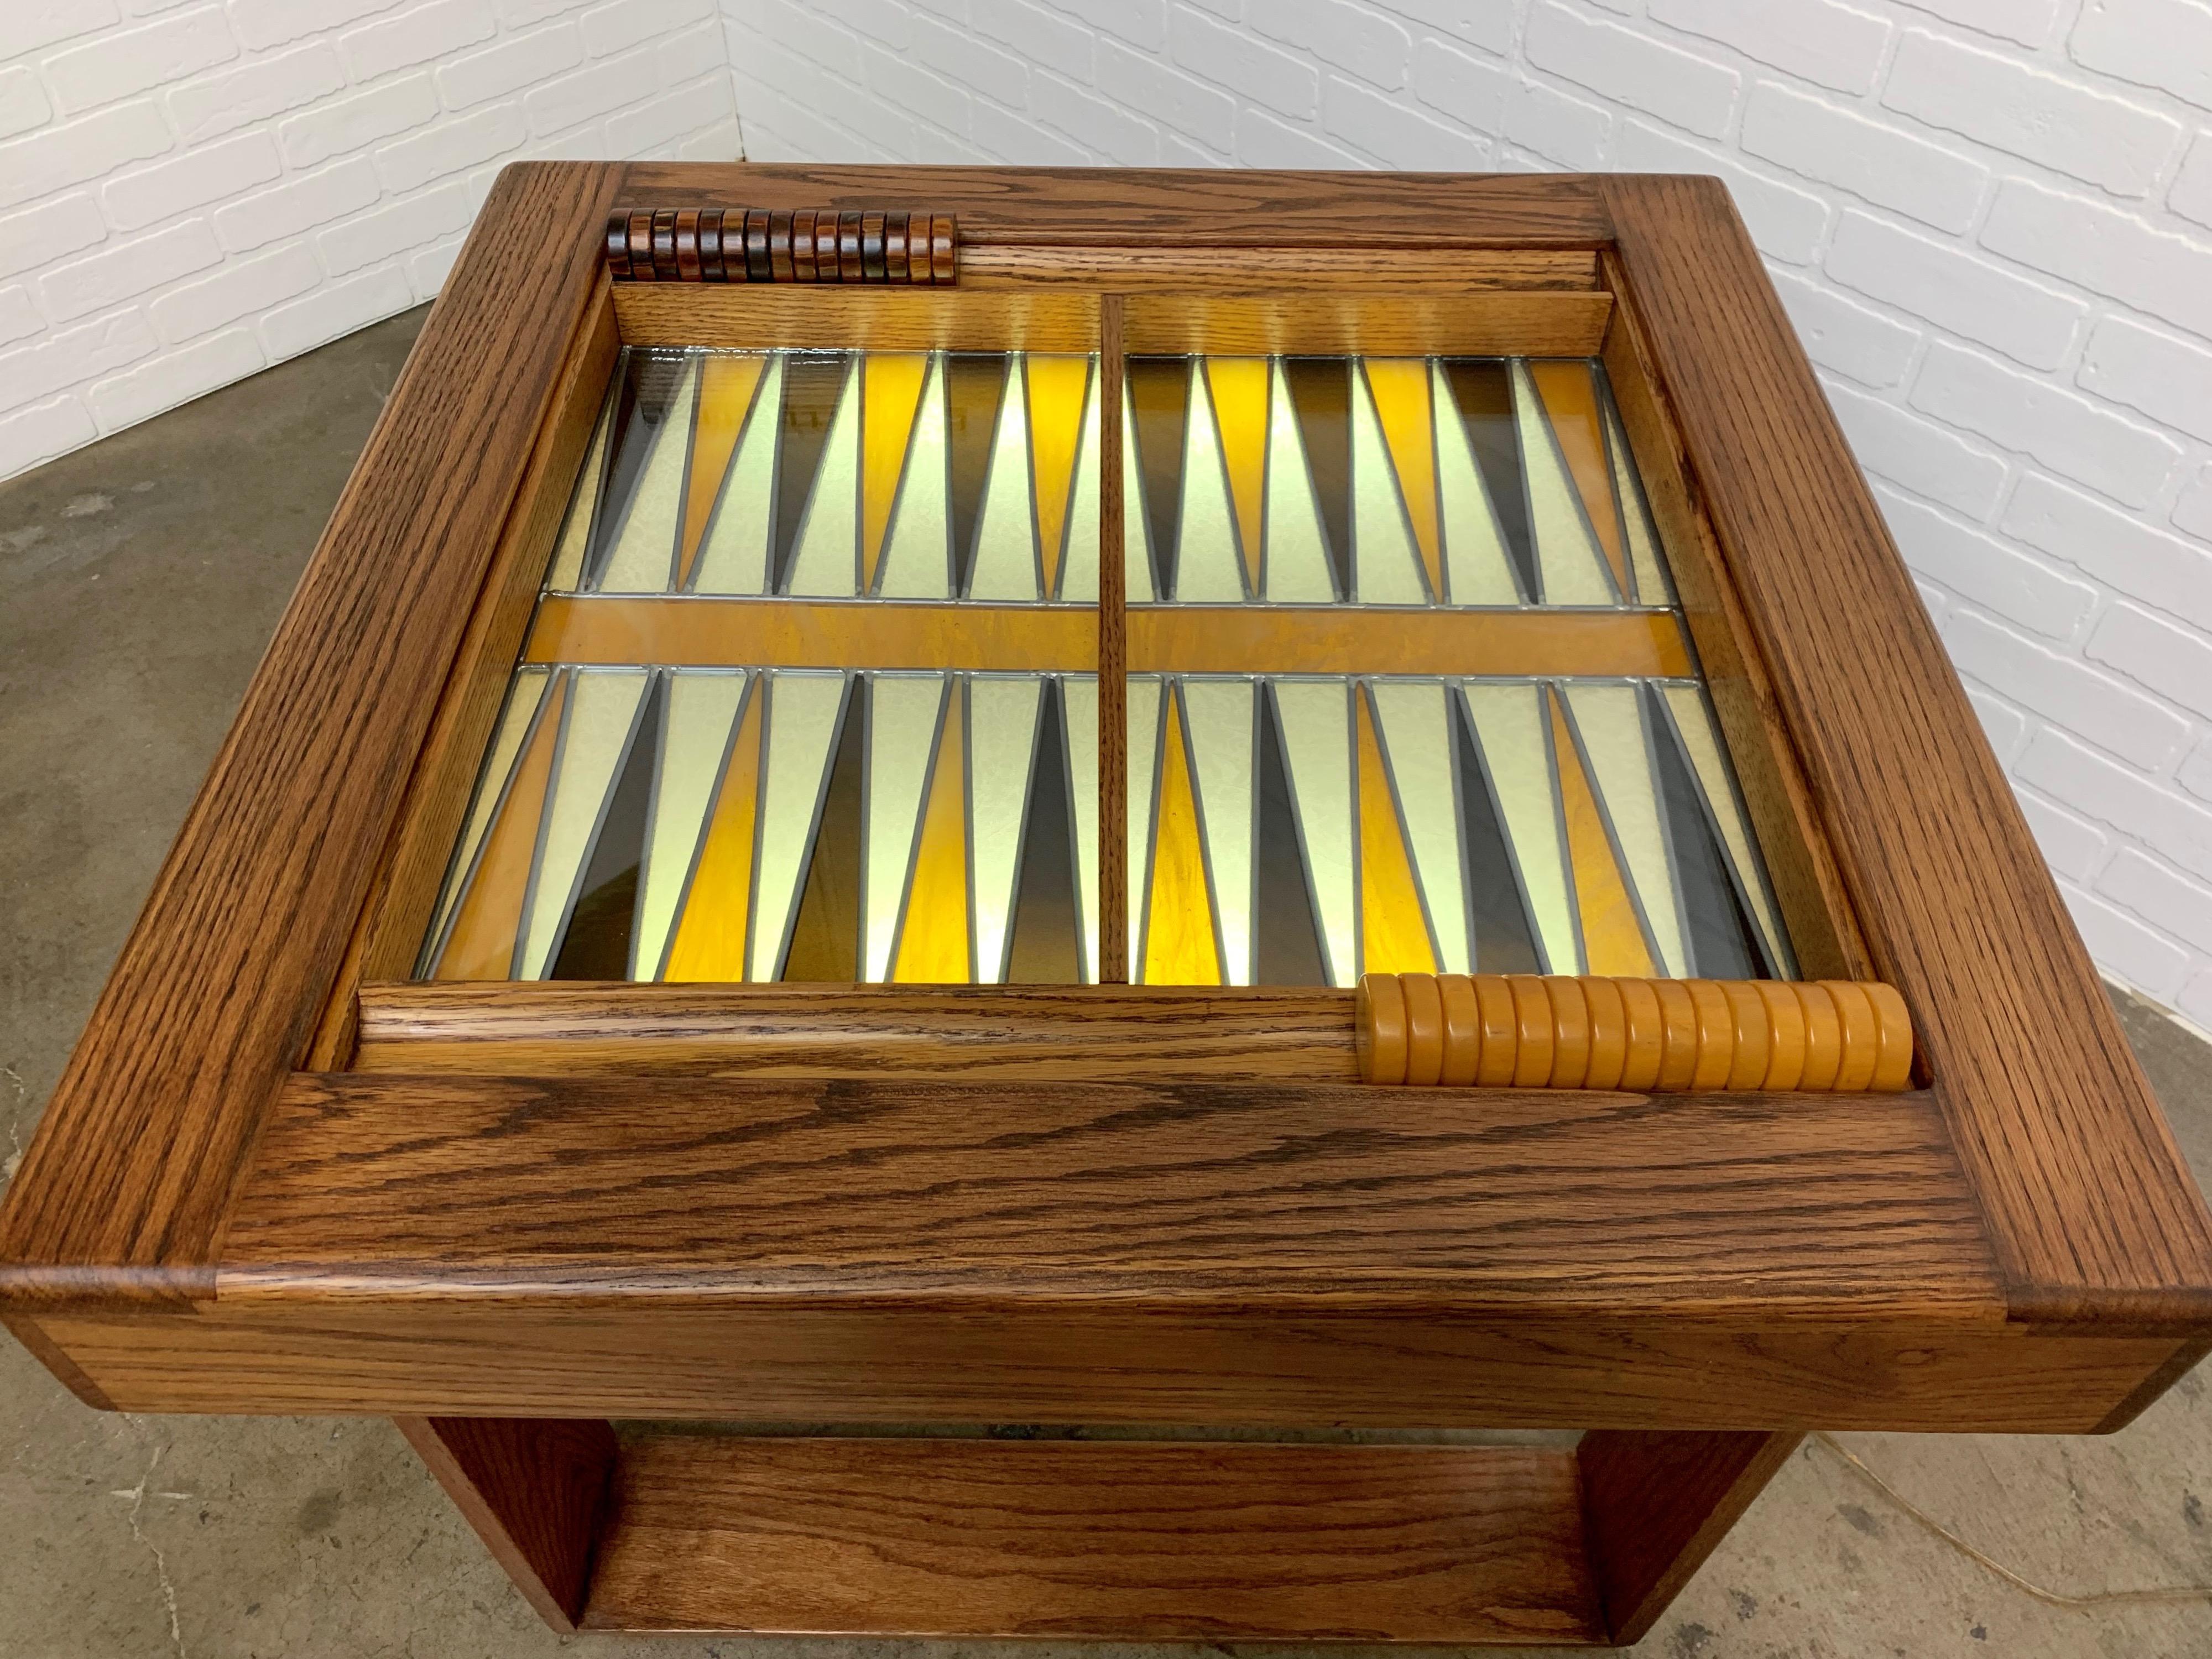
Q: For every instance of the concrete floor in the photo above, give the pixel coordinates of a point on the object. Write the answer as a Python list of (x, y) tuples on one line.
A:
[(139, 580)]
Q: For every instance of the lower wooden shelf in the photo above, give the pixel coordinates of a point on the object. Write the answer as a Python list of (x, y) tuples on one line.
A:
[(1143, 1542)]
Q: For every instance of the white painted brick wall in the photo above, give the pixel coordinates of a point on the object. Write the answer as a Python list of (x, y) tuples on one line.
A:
[(1991, 220), (192, 191)]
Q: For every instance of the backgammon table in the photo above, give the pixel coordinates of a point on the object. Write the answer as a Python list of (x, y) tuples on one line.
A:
[(975, 797)]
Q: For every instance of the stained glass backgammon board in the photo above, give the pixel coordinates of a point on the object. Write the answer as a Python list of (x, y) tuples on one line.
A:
[(967, 797)]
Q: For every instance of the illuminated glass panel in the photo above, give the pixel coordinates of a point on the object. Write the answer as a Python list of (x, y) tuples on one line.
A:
[(811, 690), (1480, 739)]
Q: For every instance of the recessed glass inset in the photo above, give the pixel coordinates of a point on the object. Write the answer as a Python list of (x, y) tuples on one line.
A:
[(810, 693), (1481, 738)]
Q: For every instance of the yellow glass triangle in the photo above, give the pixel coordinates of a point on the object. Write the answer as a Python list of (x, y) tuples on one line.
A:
[(727, 382), (1613, 938), (514, 726), (1179, 942), (710, 937), (1058, 393), (481, 943), (1238, 387), (891, 396), (695, 736), (1394, 931), (1570, 396), (933, 947), (567, 574), (1401, 389), (1610, 721)]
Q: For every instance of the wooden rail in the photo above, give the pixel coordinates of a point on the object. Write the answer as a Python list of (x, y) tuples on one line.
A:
[(1492, 1030)]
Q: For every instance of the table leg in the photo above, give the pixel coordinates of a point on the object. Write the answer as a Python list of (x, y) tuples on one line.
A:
[(533, 1488), (1655, 1504)]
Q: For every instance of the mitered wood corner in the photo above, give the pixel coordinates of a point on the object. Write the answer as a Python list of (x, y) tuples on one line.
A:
[(2092, 1215)]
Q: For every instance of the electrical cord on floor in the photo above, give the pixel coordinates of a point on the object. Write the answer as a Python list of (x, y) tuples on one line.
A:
[(2026, 1586)]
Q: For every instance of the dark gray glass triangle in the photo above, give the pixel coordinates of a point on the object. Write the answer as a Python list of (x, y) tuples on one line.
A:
[(1505, 937), (1483, 392), (1724, 944), (975, 390), (1286, 934), (811, 383), (1046, 948), (1321, 398), (647, 382), (597, 942), (1159, 405), (825, 940)]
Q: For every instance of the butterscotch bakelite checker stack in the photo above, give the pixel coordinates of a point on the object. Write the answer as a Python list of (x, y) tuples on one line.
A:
[(965, 797)]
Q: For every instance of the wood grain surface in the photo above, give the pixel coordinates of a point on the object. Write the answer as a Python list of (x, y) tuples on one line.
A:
[(1793, 841), (1135, 1540), (534, 1490), (1090, 207), (135, 1163), (1685, 1206), (844, 318), (2091, 1210), (1554, 324), (1188, 270), (982, 1032), (1112, 967), (1274, 1251), (398, 914), (339, 1347)]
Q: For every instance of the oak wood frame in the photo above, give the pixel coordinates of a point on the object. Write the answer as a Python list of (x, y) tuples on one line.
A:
[(216, 1213)]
